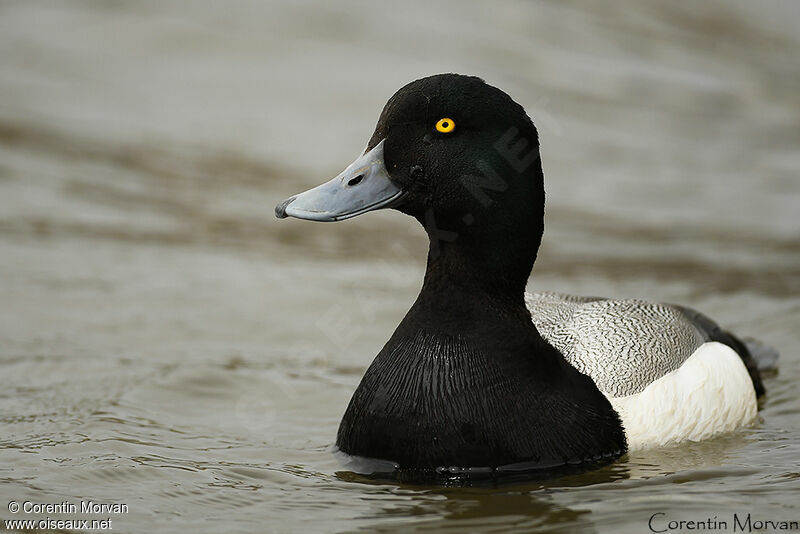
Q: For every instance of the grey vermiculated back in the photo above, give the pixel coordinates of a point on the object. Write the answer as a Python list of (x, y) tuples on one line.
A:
[(623, 345)]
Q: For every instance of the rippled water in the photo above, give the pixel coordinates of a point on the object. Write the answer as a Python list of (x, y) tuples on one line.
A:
[(167, 344)]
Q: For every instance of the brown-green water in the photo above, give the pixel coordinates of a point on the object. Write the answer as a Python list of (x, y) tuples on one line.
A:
[(167, 344)]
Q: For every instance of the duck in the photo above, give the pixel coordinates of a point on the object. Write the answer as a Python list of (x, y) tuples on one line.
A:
[(480, 376)]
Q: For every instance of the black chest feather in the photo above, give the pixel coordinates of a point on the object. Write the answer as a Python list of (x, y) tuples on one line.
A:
[(435, 400)]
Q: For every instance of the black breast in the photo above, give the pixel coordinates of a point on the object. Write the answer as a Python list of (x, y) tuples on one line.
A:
[(432, 400)]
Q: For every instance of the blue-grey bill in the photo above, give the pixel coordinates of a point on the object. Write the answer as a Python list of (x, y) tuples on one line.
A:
[(363, 186)]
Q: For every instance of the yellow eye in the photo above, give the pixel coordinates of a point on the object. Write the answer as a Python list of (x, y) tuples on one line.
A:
[(445, 125)]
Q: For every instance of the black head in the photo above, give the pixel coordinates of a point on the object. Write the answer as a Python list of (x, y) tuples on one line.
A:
[(462, 149), (461, 157)]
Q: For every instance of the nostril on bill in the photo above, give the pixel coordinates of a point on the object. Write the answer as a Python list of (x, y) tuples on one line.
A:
[(356, 180)]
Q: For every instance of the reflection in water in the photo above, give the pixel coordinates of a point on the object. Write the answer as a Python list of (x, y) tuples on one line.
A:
[(529, 505), (382, 471), (461, 510)]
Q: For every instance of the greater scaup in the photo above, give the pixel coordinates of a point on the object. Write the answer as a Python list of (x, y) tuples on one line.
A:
[(480, 377)]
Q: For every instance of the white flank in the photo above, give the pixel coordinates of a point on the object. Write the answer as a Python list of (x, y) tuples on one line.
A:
[(709, 394)]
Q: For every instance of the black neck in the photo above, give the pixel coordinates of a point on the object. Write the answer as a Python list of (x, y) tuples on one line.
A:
[(466, 379), (469, 267), (477, 296), (476, 274), (492, 256)]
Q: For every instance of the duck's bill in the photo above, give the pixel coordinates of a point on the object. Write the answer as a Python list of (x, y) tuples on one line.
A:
[(363, 186)]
